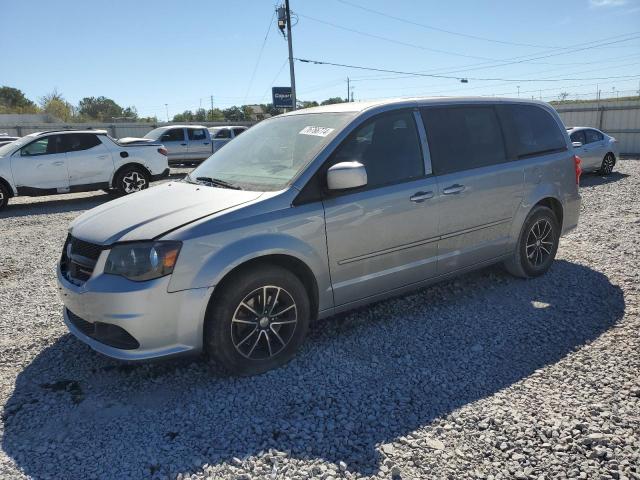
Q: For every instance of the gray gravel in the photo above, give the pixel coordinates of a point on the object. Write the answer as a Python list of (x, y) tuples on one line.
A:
[(484, 377)]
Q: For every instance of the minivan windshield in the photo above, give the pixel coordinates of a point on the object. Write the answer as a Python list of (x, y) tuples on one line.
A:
[(269, 155)]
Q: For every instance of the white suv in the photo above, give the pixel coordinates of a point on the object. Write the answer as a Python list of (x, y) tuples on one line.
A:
[(48, 163)]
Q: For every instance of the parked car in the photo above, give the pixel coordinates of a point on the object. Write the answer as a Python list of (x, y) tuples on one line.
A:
[(223, 135), (48, 163), (184, 143), (315, 212), (598, 151), (5, 138)]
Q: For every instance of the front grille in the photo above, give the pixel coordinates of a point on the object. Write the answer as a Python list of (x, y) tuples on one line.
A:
[(111, 335), (79, 259)]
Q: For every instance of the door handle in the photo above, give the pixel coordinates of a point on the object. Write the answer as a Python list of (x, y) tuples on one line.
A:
[(58, 164), (453, 189), (420, 197), (102, 157), (183, 144), (206, 143)]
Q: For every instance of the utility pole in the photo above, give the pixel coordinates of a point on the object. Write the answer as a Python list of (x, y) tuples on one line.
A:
[(292, 72), (166, 106), (348, 90), (212, 108), (518, 91)]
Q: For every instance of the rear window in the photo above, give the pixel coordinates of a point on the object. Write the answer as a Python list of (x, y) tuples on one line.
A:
[(593, 136), (530, 130), (578, 137), (462, 138)]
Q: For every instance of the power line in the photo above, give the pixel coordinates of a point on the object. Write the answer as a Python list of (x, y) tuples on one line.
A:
[(417, 74), (437, 29), (255, 68)]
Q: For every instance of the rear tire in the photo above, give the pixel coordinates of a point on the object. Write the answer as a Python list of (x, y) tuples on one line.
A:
[(608, 162), (537, 244), (130, 180), (4, 196), (248, 335)]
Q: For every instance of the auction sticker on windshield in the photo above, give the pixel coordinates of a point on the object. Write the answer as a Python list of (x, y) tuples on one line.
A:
[(316, 131)]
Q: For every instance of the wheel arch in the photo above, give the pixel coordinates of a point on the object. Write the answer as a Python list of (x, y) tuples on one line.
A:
[(137, 165), (555, 205), (296, 266), (8, 186)]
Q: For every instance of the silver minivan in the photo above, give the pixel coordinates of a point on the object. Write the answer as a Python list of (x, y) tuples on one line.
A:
[(315, 212)]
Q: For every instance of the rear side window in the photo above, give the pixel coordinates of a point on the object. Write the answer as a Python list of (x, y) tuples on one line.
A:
[(196, 134), (578, 137), (224, 133), (173, 135), (238, 131), (389, 148), (593, 136), (530, 130), (76, 142), (462, 138)]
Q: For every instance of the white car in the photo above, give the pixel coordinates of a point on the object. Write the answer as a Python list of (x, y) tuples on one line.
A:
[(48, 163), (597, 150)]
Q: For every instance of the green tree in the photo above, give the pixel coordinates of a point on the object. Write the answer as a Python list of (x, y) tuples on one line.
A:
[(307, 104), (55, 105), (99, 108), (131, 113), (186, 116), (332, 100), (215, 115), (233, 114), (13, 100), (200, 115)]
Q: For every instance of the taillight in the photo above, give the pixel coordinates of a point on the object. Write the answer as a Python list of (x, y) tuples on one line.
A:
[(577, 161), (163, 151)]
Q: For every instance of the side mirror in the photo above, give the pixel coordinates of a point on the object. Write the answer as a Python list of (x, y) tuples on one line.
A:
[(576, 144), (345, 175)]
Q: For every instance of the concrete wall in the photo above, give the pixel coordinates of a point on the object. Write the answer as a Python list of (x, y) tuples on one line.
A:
[(619, 119), (117, 130)]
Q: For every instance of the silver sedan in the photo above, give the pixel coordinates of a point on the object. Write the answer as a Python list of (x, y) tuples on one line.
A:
[(598, 151)]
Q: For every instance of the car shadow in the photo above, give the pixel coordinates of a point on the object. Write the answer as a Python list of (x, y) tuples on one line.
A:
[(54, 204), (596, 179), (362, 379)]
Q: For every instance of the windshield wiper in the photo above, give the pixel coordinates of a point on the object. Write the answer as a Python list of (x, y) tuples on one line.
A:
[(218, 183)]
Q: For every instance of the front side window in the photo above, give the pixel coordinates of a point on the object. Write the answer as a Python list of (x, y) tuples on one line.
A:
[(531, 130), (389, 148), (173, 135), (578, 137), (224, 133), (593, 136), (42, 146), (76, 142), (196, 134), (462, 138), (268, 156)]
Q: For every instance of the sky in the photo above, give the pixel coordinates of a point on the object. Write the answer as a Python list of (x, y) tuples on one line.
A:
[(147, 53)]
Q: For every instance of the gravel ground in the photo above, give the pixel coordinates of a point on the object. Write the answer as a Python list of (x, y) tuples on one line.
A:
[(482, 377)]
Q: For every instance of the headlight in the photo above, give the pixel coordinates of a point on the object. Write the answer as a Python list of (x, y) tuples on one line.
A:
[(142, 261)]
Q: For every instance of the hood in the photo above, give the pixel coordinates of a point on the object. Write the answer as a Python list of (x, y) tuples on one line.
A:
[(148, 214)]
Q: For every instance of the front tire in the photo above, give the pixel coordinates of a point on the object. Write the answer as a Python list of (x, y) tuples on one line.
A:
[(608, 162), (258, 320), (131, 180), (537, 244), (4, 196)]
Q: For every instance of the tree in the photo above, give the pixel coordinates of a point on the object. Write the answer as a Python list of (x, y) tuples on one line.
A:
[(99, 108), (13, 100), (200, 115), (186, 116), (233, 114), (307, 104), (130, 113), (55, 105), (332, 100), (563, 96), (215, 115)]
